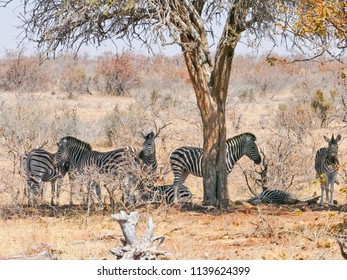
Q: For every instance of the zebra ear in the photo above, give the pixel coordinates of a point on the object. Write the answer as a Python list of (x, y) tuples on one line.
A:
[(150, 135), (326, 138), (338, 138)]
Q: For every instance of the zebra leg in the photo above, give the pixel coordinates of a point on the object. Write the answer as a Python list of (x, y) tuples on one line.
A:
[(28, 188), (34, 191), (129, 190), (180, 177), (175, 188), (331, 191), (71, 178), (59, 184), (323, 187), (98, 192), (327, 191), (41, 190), (52, 192)]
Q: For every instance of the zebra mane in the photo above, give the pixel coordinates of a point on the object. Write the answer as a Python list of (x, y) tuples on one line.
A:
[(247, 136), (74, 141)]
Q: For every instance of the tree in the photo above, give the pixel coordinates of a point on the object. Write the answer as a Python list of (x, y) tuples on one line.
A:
[(62, 24)]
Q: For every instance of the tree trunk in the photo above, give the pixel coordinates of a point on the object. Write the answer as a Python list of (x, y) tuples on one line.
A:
[(211, 83), (211, 88), (211, 102), (214, 167)]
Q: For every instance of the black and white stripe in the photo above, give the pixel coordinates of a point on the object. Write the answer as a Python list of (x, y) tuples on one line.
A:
[(326, 166), (158, 194), (279, 197), (188, 160), (119, 161), (147, 154), (39, 167)]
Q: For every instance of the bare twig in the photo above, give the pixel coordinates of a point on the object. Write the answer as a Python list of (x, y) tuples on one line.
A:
[(343, 247)]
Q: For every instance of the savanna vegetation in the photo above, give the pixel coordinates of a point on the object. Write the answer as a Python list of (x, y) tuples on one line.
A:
[(110, 100)]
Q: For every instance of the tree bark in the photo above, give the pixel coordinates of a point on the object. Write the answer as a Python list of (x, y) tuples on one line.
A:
[(211, 83), (214, 167)]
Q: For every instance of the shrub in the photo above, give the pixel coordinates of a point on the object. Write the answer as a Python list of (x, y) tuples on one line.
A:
[(74, 80), (65, 122), (118, 125), (115, 74), (296, 118), (23, 126), (321, 106), (20, 72)]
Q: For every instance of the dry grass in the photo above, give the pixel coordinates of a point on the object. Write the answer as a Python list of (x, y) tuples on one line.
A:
[(262, 233)]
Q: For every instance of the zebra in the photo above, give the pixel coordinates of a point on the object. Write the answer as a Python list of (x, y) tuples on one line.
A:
[(166, 192), (279, 197), (40, 166), (188, 160), (326, 166), (117, 162)]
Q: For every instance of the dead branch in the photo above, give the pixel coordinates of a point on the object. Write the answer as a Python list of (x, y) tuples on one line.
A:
[(343, 247), (251, 176), (157, 131), (133, 248)]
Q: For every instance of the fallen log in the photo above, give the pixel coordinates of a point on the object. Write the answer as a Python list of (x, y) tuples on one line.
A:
[(134, 248)]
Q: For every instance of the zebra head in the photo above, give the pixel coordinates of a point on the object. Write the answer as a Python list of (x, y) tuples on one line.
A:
[(251, 149), (333, 147), (69, 148), (147, 154)]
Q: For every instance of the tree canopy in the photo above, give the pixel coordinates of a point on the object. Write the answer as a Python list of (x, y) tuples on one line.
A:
[(319, 25)]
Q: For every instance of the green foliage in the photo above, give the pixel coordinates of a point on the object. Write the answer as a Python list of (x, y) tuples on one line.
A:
[(271, 60), (321, 106)]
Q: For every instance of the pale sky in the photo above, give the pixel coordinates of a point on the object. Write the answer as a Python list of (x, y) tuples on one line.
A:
[(10, 37)]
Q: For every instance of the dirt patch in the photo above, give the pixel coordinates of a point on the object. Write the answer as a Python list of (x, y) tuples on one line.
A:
[(191, 232)]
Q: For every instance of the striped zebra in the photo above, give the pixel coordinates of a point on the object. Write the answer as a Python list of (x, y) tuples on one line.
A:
[(279, 197), (188, 160), (166, 193), (119, 162), (326, 166), (39, 167)]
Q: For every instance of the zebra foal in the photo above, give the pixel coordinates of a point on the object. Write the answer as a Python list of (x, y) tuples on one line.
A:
[(188, 160), (279, 197), (166, 193), (40, 166), (326, 166)]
